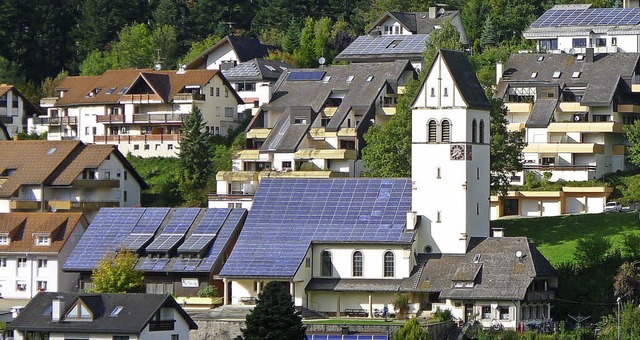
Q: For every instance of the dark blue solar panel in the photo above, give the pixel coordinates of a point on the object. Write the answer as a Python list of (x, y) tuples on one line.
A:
[(222, 239), (150, 220), (136, 242), (161, 264), (588, 17), (211, 221), (181, 220), (195, 243), (305, 75), (288, 214), (164, 243), (347, 337)]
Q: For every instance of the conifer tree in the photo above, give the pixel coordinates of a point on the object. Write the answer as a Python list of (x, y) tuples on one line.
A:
[(488, 36), (194, 158)]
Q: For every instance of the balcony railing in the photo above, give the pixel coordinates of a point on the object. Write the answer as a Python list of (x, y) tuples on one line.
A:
[(553, 167), (586, 127), (533, 296), (159, 118), (55, 120), (95, 183), (555, 148), (48, 102), (106, 139), (92, 205), (110, 119), (164, 325), (143, 98), (24, 205), (188, 97)]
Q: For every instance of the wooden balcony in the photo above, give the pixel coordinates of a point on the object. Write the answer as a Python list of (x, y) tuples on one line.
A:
[(55, 121), (188, 97), (110, 119), (533, 296), (629, 108), (159, 118), (69, 205), (162, 325), (325, 154), (260, 133), (95, 183), (143, 98), (24, 205), (109, 139), (519, 107), (48, 102)]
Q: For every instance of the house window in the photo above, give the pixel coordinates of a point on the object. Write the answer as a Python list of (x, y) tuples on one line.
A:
[(169, 146), (42, 286), (446, 131), (211, 91), (226, 92), (474, 131), (299, 120), (477, 208), (157, 147), (432, 131), (433, 92), (79, 311), (146, 146), (548, 160), (125, 175), (350, 79), (575, 74), (579, 42), (389, 270), (21, 286), (438, 174), (307, 262), (87, 130), (126, 337), (42, 240), (217, 92), (3, 262), (357, 263), (22, 262), (534, 74), (4, 239), (504, 313), (446, 92), (286, 165), (486, 312), (438, 220), (124, 195), (42, 263), (600, 42), (614, 41), (218, 111), (481, 132), (327, 269)]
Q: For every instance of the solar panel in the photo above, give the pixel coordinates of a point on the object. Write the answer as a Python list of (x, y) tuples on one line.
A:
[(196, 243), (288, 214), (181, 220), (588, 17), (161, 264), (386, 44), (212, 221), (305, 75), (135, 242), (150, 220), (222, 239), (164, 243)]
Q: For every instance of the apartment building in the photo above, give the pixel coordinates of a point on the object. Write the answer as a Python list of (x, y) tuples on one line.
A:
[(139, 111)]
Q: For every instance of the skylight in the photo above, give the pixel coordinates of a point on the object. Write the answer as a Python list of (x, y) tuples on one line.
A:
[(110, 90), (123, 90), (271, 68), (326, 79), (350, 79), (534, 74), (51, 151), (576, 74), (117, 311), (540, 58), (369, 78), (580, 57), (557, 74)]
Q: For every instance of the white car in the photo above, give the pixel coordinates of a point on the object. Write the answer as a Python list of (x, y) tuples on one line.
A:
[(613, 207)]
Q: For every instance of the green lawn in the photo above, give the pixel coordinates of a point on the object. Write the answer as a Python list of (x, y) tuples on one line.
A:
[(556, 237)]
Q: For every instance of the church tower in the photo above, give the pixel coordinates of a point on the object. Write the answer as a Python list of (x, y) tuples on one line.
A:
[(450, 156)]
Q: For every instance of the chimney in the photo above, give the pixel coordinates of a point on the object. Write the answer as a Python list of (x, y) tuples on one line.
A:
[(498, 232), (57, 309), (412, 220), (499, 71), (588, 56), (432, 12)]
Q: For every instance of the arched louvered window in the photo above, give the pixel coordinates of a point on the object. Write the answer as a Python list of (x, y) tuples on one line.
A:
[(357, 263), (432, 131), (474, 131), (446, 131), (327, 267), (481, 132), (389, 264)]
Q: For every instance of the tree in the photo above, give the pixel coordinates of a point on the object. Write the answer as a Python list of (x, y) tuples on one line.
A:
[(631, 245), (629, 325), (592, 251), (48, 85), (274, 316), (165, 41), (505, 151), (626, 284), (488, 36), (632, 133), (305, 54), (401, 305), (195, 163), (446, 37), (134, 48), (321, 39), (291, 38), (411, 331), (197, 47), (96, 63), (115, 273)]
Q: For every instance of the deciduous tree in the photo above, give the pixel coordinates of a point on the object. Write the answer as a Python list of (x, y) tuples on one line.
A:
[(115, 273), (632, 133), (626, 284)]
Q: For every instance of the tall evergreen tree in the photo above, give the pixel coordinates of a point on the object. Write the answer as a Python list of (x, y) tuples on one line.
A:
[(274, 317), (505, 150), (194, 158), (488, 36), (305, 54), (291, 39)]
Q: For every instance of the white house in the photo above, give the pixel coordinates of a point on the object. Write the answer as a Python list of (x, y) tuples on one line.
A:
[(348, 246), (33, 247), (229, 52), (139, 111), (14, 109), (38, 175), (102, 316)]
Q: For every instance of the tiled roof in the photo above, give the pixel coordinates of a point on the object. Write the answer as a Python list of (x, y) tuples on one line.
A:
[(21, 228), (138, 310), (89, 157), (416, 22), (245, 48), (257, 69)]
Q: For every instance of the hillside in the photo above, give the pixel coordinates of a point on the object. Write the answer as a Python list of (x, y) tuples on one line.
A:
[(556, 237)]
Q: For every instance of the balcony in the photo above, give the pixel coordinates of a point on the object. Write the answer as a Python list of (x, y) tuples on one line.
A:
[(347, 132), (69, 205), (24, 205), (237, 176), (388, 110), (586, 127), (302, 174), (110, 119), (515, 127), (320, 133), (325, 154), (95, 183), (188, 97), (248, 155), (629, 108), (635, 84), (48, 102), (329, 111), (259, 133), (555, 148), (519, 107), (573, 107), (143, 98), (55, 121), (163, 325), (107, 139), (535, 296), (553, 167), (159, 118)]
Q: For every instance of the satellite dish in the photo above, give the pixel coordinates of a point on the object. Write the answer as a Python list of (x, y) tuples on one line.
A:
[(518, 254), (322, 60), (572, 51)]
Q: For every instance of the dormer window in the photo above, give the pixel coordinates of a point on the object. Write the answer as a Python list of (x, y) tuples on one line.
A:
[(4, 239), (79, 312), (369, 78), (42, 240), (557, 74), (7, 172)]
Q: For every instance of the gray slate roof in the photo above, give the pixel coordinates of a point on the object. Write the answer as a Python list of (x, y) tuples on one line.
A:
[(246, 49), (137, 312), (541, 113), (354, 285), (602, 77), (416, 22), (257, 69), (498, 274)]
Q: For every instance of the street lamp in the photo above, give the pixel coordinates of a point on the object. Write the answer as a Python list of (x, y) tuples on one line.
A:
[(618, 301)]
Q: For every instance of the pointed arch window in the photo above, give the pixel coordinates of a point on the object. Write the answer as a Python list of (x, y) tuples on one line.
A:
[(327, 266), (474, 131), (481, 132), (357, 263), (446, 131), (389, 264), (432, 131)]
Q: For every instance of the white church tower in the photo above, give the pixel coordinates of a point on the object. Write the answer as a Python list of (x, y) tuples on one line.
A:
[(450, 156)]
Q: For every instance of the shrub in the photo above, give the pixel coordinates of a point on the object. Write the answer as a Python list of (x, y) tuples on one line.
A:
[(401, 305), (592, 251), (442, 315), (208, 291)]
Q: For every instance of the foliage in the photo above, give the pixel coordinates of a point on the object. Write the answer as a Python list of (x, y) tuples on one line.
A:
[(631, 245), (592, 251), (401, 305), (627, 282), (274, 316), (163, 177), (632, 133), (165, 42), (197, 47), (446, 37), (442, 315), (49, 84), (629, 325), (411, 331), (209, 291), (115, 273), (322, 38), (305, 53), (291, 38), (194, 160), (488, 37), (134, 48), (505, 151), (32, 136), (96, 63)]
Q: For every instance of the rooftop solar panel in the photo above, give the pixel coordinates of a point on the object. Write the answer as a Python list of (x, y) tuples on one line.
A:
[(135, 242), (211, 221), (231, 224), (305, 75), (161, 264), (588, 17), (150, 220), (164, 243), (386, 44), (181, 220), (195, 243)]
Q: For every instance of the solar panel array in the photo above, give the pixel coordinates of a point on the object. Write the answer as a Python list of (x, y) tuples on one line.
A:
[(588, 17), (305, 75), (174, 231), (222, 239), (288, 214), (205, 232), (144, 230), (105, 234), (384, 44)]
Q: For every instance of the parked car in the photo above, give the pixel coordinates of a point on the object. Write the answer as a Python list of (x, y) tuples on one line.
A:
[(613, 207)]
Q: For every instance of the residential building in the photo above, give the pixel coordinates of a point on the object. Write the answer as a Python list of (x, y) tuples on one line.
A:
[(180, 250), (314, 125), (229, 52), (4, 133), (139, 111), (102, 316), (352, 244), (14, 110), (33, 247), (254, 80), (400, 36), (37, 175), (573, 28)]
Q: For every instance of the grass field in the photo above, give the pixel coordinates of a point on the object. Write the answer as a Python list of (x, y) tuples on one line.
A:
[(556, 237)]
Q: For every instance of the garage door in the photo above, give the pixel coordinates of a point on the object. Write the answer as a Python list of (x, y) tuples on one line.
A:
[(550, 208), (595, 205), (574, 205), (530, 208)]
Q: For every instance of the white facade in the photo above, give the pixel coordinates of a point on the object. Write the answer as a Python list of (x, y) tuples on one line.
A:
[(14, 110)]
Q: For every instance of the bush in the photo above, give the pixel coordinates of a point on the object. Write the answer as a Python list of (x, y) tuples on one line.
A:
[(592, 251), (401, 305), (442, 315), (631, 245), (208, 291)]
